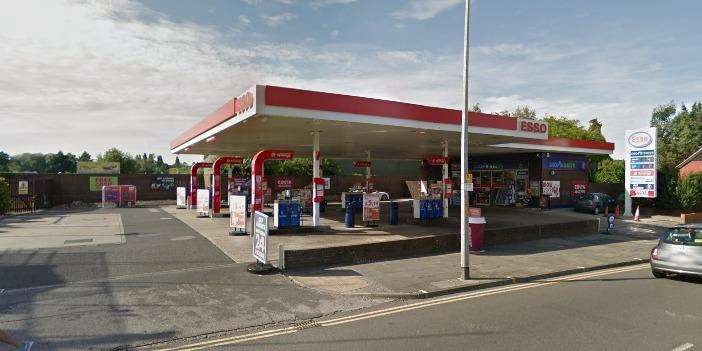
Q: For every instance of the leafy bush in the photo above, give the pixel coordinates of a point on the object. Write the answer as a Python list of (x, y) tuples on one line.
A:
[(689, 191), (4, 196)]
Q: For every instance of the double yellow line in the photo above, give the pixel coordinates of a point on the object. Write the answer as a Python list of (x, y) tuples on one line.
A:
[(392, 310)]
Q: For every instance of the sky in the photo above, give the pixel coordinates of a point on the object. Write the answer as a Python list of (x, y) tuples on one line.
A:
[(90, 75)]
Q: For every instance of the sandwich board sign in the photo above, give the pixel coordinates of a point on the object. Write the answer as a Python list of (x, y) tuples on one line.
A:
[(237, 213), (640, 160), (260, 237), (181, 197), (371, 207), (203, 202)]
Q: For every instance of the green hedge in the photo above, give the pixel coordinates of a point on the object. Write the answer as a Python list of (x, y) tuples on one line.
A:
[(689, 191), (4, 196)]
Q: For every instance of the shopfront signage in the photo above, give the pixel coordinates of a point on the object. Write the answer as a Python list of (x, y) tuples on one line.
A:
[(579, 187), (551, 188), (237, 212), (362, 164), (533, 126), (260, 237), (486, 166), (561, 164), (640, 159), (437, 160), (284, 183)]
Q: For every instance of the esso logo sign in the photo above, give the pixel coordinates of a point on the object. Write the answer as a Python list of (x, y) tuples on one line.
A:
[(640, 139), (533, 127), (243, 103)]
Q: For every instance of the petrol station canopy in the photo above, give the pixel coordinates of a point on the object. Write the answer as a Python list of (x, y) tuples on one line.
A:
[(272, 117)]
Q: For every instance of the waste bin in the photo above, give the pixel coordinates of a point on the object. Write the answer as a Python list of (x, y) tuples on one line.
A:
[(350, 217), (394, 209), (477, 233)]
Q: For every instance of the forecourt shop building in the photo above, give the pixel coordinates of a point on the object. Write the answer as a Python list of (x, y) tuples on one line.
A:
[(271, 122)]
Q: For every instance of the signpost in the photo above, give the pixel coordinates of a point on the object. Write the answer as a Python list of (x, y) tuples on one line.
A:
[(203, 202), (237, 214), (181, 197), (640, 158), (260, 244)]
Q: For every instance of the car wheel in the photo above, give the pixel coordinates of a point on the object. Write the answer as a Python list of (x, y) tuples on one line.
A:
[(658, 274)]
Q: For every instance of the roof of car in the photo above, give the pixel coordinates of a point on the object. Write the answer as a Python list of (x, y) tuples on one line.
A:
[(689, 225)]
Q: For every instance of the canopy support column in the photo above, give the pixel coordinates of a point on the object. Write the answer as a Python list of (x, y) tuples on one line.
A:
[(445, 178), (369, 182), (316, 173)]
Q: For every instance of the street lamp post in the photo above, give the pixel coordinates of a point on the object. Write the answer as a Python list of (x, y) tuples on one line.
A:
[(465, 227)]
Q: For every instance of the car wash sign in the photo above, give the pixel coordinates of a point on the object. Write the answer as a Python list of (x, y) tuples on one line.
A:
[(640, 157)]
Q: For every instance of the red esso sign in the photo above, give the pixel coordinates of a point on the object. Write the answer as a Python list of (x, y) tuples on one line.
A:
[(533, 127), (282, 155), (640, 139), (243, 103)]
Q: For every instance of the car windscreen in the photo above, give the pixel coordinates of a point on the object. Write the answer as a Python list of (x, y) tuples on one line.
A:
[(683, 236)]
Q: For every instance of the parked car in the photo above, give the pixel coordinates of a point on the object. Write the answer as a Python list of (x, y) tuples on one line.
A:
[(678, 251), (594, 202)]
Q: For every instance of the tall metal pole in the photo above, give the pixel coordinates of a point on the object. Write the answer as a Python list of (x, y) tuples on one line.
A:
[(465, 227)]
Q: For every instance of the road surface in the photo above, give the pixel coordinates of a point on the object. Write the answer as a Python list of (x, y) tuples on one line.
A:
[(620, 309)]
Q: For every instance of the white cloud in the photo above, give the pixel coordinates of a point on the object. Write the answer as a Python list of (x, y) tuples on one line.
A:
[(277, 20), (425, 9), (334, 33), (243, 19), (323, 3)]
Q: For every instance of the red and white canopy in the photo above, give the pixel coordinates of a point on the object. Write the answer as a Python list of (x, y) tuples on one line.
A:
[(271, 117)]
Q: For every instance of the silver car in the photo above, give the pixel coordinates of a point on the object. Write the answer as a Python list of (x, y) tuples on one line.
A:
[(678, 251)]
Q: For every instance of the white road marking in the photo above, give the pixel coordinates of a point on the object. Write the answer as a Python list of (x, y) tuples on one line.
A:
[(403, 308), (154, 210), (683, 347), (166, 218), (187, 237)]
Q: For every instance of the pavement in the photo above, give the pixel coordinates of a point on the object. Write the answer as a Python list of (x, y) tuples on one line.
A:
[(164, 281), (418, 277), (619, 309)]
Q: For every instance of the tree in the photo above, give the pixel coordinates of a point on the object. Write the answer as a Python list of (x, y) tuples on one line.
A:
[(28, 162), (4, 162), (525, 112), (4, 196), (127, 164), (476, 108), (564, 127), (85, 157), (689, 191), (176, 164), (60, 163), (610, 171)]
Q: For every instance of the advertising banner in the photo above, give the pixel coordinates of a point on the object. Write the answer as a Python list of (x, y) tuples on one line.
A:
[(181, 197), (640, 159), (362, 164), (203, 202), (87, 167), (237, 212), (260, 237), (371, 207), (579, 187), (327, 183), (162, 183), (23, 187), (552, 188), (96, 183)]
